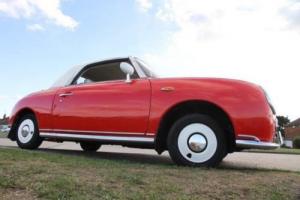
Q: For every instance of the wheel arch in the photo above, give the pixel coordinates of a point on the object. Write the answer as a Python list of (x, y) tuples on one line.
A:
[(22, 112), (190, 107)]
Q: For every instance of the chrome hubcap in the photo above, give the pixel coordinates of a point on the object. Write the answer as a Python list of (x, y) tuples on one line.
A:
[(197, 142), (25, 131)]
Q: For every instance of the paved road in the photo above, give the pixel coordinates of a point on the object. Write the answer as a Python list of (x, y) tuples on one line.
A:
[(235, 160)]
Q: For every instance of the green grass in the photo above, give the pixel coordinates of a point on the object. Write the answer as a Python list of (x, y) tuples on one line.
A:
[(57, 175), (279, 150)]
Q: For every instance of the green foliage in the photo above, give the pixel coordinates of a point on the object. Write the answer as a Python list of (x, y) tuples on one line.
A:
[(282, 122), (4, 120), (296, 143)]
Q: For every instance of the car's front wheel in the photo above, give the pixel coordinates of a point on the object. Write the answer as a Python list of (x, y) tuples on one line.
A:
[(28, 133), (90, 146), (196, 140)]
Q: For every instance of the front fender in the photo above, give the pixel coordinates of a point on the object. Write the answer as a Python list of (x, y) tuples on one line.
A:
[(40, 104)]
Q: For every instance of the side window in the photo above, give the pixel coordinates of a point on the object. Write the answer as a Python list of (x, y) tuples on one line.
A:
[(103, 72)]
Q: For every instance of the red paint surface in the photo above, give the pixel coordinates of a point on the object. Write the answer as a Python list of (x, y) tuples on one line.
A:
[(138, 107), (113, 106)]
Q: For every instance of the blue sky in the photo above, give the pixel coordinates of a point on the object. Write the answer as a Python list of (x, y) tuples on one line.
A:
[(32, 60), (252, 40)]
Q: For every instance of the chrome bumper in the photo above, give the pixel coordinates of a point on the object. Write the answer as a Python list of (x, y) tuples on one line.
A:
[(257, 144), (249, 144)]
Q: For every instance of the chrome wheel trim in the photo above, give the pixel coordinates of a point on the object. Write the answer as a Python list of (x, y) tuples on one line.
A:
[(197, 142), (26, 131), (196, 132)]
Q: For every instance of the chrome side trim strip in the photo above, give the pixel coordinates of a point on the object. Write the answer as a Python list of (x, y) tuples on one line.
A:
[(99, 132), (249, 144), (150, 134), (96, 137)]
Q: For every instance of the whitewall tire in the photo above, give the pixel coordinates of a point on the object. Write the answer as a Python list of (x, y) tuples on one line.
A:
[(196, 140), (27, 133)]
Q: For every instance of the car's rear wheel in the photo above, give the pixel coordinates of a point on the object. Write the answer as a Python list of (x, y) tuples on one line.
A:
[(90, 146), (197, 140), (28, 133)]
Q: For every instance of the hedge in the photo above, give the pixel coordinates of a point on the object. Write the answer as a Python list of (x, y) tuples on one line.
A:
[(296, 143)]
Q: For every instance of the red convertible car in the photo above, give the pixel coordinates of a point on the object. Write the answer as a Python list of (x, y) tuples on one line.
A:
[(120, 101)]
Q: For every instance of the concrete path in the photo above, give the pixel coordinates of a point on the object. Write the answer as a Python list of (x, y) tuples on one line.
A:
[(238, 160)]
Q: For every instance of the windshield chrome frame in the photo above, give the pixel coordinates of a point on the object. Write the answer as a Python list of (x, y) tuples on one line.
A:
[(137, 67)]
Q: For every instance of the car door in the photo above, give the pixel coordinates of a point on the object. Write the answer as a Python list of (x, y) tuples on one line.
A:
[(106, 107)]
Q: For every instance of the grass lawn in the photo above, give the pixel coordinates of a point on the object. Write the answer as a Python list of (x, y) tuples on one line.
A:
[(53, 175), (279, 150)]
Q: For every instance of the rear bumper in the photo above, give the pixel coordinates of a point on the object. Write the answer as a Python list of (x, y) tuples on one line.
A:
[(252, 142), (249, 144)]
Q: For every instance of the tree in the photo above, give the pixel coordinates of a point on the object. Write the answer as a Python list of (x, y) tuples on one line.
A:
[(282, 122), (4, 120)]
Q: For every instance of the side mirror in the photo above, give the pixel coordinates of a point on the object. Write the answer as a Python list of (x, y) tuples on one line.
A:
[(128, 70)]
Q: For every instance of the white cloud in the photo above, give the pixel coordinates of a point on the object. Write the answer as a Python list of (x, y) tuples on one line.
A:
[(292, 13), (48, 9), (144, 5), (7, 102), (250, 40), (35, 27)]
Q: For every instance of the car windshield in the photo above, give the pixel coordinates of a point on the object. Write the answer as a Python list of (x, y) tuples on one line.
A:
[(67, 78), (145, 69)]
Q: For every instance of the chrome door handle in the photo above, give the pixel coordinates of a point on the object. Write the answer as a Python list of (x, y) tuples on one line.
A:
[(167, 89), (65, 94)]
